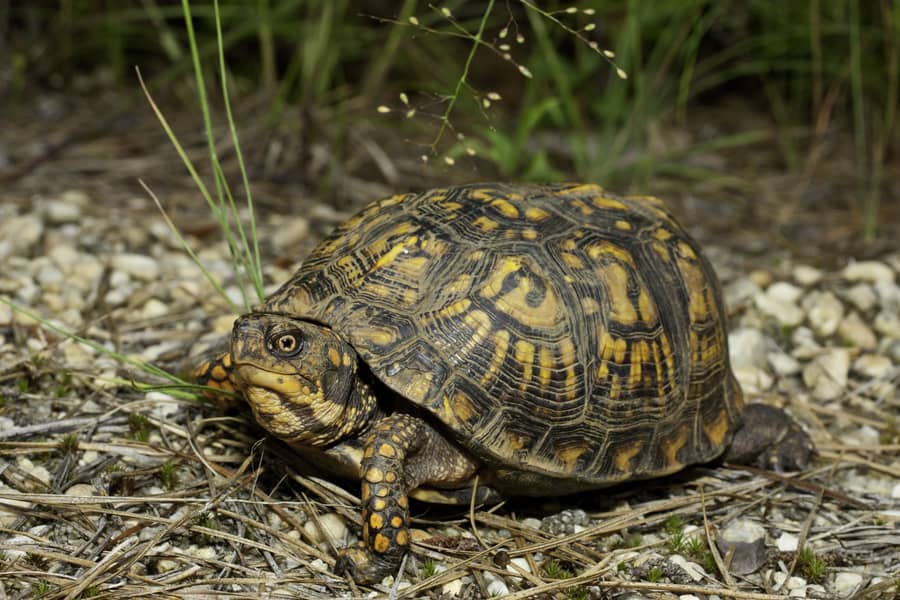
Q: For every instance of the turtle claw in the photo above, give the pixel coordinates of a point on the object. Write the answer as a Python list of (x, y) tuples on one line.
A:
[(363, 565)]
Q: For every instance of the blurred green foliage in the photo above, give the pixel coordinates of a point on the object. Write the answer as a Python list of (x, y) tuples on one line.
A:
[(559, 108)]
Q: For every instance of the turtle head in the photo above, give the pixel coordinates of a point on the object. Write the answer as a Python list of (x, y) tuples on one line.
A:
[(297, 376)]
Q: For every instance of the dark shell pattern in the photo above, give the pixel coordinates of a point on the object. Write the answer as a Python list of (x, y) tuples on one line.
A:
[(557, 330)]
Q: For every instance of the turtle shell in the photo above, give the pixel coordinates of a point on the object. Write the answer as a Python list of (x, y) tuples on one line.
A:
[(560, 332)]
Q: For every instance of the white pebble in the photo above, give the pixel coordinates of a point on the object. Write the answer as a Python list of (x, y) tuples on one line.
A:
[(784, 312), (826, 375), (39, 472), (783, 291), (693, 570), (138, 266), (862, 296), (330, 528), (868, 270), (153, 309), (846, 584), (83, 490), (531, 523), (747, 348), (855, 331), (889, 295), (753, 380), (453, 588), (825, 312), (873, 365), (888, 323), (19, 235), (895, 492), (740, 292), (787, 542), (783, 364), (806, 275), (58, 212), (497, 588), (290, 233)]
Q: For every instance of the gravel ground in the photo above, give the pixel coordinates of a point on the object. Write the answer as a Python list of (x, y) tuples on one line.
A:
[(110, 491)]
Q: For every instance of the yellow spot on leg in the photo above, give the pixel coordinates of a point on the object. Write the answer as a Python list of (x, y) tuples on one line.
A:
[(387, 451), (381, 544), (402, 538), (376, 521)]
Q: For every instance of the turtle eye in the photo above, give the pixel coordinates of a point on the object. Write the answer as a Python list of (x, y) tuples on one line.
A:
[(286, 345)]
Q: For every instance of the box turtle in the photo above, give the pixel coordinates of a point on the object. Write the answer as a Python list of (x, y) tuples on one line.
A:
[(545, 339)]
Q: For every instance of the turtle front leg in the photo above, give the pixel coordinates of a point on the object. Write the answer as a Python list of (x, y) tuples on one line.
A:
[(769, 438), (401, 453)]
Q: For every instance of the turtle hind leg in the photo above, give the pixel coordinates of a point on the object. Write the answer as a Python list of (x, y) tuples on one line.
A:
[(770, 439)]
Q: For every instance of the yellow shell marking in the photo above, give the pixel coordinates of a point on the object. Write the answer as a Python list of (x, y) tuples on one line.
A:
[(623, 456), (570, 455), (529, 234), (608, 203), (505, 208), (394, 252), (485, 224), (695, 285), (715, 430), (581, 206), (572, 260), (460, 285), (662, 234), (671, 446), (378, 336), (525, 357), (589, 306), (533, 213), (581, 189), (462, 407), (603, 249), (546, 362), (615, 277), (515, 303), (623, 225), (501, 348)]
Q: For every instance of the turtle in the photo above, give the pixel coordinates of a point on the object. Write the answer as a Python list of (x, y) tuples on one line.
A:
[(483, 341)]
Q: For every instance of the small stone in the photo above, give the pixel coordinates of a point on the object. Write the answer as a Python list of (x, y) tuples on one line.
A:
[(497, 587), (868, 270), (783, 364), (688, 597), (740, 292), (39, 472), (290, 233), (785, 313), (330, 529), (153, 309), (865, 435), (692, 569), (895, 492), (873, 365), (82, 490), (846, 584), (806, 275), (165, 565), (888, 323), (888, 295), (862, 296), (747, 540), (138, 266), (826, 375), (785, 292), (787, 542), (747, 348), (58, 212), (853, 330), (452, 589), (19, 235), (761, 277), (753, 380), (531, 523), (824, 312)]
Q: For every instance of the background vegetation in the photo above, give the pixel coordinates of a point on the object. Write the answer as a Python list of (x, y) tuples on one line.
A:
[(519, 89)]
